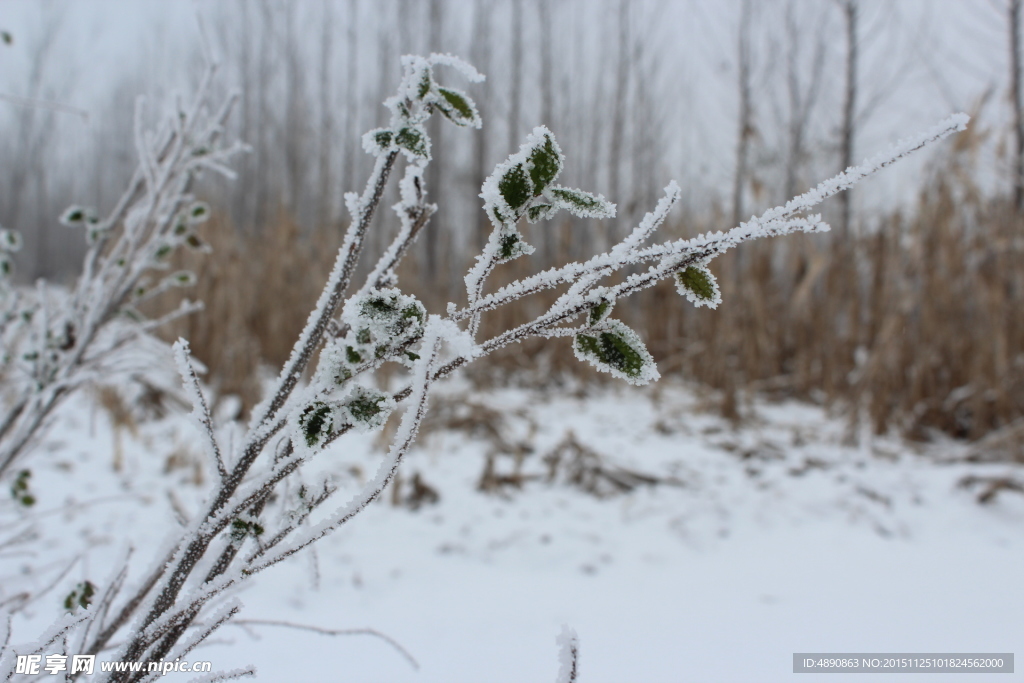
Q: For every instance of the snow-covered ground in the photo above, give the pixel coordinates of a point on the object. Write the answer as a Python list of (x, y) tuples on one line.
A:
[(771, 537)]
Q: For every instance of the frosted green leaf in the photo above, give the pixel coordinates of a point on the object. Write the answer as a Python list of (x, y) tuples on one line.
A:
[(514, 187), (365, 409), (6, 266), (545, 164), (20, 489), (385, 321), (368, 409), (199, 213), (600, 311), (317, 423), (241, 527), (10, 240), (162, 252), (540, 212), (425, 82), (512, 246), (618, 350), (75, 216), (458, 108), (582, 204), (183, 278), (81, 596), (414, 141), (380, 306), (378, 141), (698, 285), (508, 246), (196, 243), (353, 356)]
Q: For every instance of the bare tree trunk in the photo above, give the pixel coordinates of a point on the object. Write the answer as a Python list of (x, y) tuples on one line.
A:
[(295, 122), (351, 149), (261, 140), (517, 76), (1018, 105), (323, 200), (546, 238), (619, 105), (801, 98), (746, 114), (849, 109), (546, 63), (480, 55), (432, 243), (241, 202)]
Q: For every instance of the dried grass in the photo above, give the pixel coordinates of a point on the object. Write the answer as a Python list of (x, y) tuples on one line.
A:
[(913, 327)]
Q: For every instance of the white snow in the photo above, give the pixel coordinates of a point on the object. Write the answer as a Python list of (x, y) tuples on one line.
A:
[(778, 538)]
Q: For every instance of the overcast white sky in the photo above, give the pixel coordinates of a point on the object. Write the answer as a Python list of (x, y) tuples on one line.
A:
[(926, 57)]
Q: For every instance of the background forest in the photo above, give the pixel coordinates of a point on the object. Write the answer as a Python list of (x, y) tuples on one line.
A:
[(900, 316)]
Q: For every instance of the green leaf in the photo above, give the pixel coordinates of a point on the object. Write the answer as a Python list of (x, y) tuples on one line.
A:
[(342, 375), (414, 141), (81, 596), (698, 285), (365, 409), (512, 246), (600, 311), (10, 240), (183, 278), (199, 213), (377, 141), (197, 244), (379, 307), (508, 246), (7, 37), (353, 356), (540, 211), (582, 204), (162, 252), (457, 107), (616, 349), (515, 188), (317, 422), (20, 490), (415, 310), (240, 528), (368, 408), (425, 82), (75, 216), (546, 164)]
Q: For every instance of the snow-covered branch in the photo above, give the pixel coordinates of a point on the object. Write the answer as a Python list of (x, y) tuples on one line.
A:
[(53, 344)]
